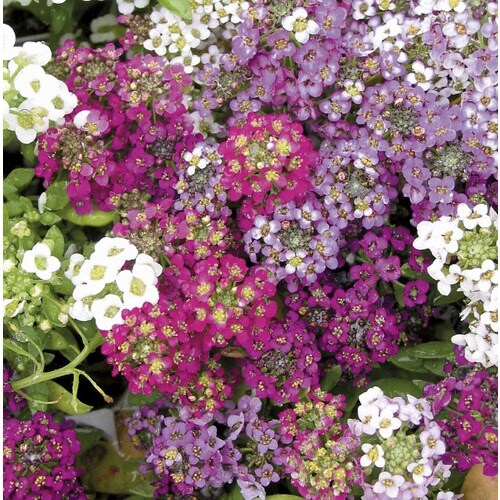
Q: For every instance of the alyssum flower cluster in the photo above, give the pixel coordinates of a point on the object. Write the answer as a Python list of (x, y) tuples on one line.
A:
[(274, 223)]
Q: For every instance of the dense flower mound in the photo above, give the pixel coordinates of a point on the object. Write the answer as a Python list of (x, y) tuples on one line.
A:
[(402, 445), (471, 433), (236, 216), (320, 460), (39, 459), (188, 453), (114, 141), (267, 159), (282, 360)]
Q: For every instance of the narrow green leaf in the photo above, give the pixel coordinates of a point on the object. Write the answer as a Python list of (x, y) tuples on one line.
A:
[(331, 378), (56, 237), (66, 403), (433, 350), (393, 387), (57, 198), (399, 289), (97, 218), (20, 178), (454, 296), (179, 7), (435, 366), (403, 359)]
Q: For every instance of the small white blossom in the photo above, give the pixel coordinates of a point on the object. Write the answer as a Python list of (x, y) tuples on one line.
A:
[(373, 455), (128, 6), (40, 261), (300, 25), (138, 286), (420, 471), (114, 251), (107, 312), (388, 484)]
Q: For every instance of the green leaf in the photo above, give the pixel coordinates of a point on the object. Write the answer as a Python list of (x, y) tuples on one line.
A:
[(351, 394), (38, 395), (57, 198), (64, 286), (65, 403), (105, 471), (454, 296), (62, 340), (9, 191), (48, 357), (86, 328), (444, 330), (435, 366), (398, 292), (88, 437), (234, 493), (433, 350), (51, 308), (331, 378), (97, 218), (54, 234), (404, 359), (28, 152), (20, 178), (393, 387), (142, 399), (179, 7), (408, 272), (49, 218)]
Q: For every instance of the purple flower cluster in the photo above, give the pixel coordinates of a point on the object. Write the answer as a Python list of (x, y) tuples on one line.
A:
[(114, 141), (470, 394), (189, 453), (39, 459), (282, 360)]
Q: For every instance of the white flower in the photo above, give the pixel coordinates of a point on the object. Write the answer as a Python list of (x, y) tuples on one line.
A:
[(102, 29), (188, 60), (8, 42), (301, 27), (388, 422), (369, 417), (146, 260), (157, 41), (421, 75), (444, 284), (32, 81), (353, 91), (80, 310), (27, 121), (478, 216), (371, 395), (39, 260), (373, 455), (96, 274), (13, 310), (420, 471), (363, 8), (138, 286), (107, 312), (30, 53), (488, 276), (433, 445), (73, 273), (388, 484), (114, 251), (195, 160), (128, 6)]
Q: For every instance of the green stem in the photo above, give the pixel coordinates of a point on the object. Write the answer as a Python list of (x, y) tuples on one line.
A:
[(60, 372)]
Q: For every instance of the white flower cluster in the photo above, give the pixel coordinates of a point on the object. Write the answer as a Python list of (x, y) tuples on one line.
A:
[(103, 288), (190, 44), (32, 99), (402, 445), (466, 254)]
